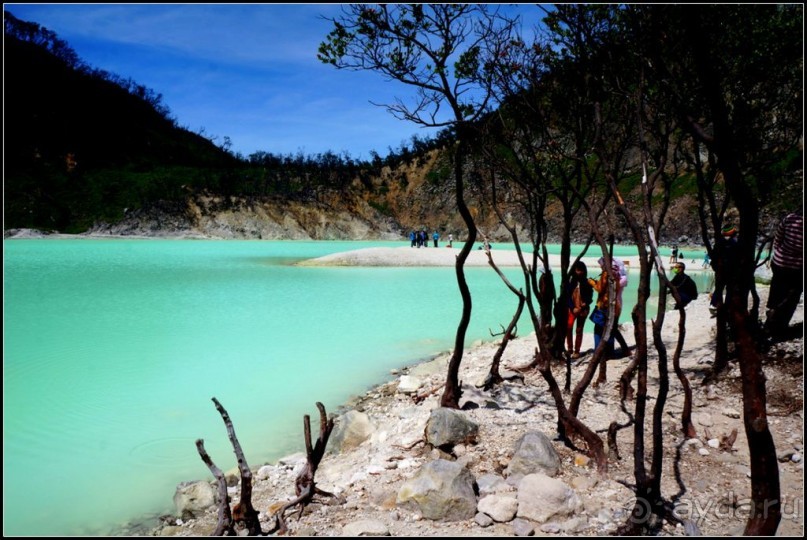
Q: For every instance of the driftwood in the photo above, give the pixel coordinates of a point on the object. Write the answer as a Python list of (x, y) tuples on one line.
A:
[(224, 526), (304, 486), (243, 515)]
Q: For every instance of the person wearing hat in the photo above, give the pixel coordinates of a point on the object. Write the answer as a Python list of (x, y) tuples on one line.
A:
[(684, 285)]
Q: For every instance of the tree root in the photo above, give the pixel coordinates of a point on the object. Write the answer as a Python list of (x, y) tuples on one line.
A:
[(304, 486)]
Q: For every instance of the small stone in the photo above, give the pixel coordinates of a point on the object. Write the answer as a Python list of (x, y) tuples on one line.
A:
[(365, 527), (785, 456), (795, 458), (483, 520), (714, 443), (522, 527), (694, 443), (552, 528), (703, 451)]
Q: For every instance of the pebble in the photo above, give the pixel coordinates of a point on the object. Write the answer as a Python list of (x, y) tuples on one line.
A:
[(703, 451), (522, 527), (483, 520)]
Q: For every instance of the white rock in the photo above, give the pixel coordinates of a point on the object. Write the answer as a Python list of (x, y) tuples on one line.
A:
[(409, 384)]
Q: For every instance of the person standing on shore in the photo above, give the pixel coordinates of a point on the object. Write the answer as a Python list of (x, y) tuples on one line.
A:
[(450, 240), (730, 247), (435, 237), (601, 286), (623, 282), (684, 284), (787, 283), (674, 256), (580, 294)]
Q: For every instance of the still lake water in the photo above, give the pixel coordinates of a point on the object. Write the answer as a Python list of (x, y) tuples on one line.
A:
[(113, 350)]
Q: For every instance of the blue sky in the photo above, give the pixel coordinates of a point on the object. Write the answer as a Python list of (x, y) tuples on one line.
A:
[(245, 71)]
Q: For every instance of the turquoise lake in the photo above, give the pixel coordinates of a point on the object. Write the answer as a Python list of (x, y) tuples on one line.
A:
[(113, 350)]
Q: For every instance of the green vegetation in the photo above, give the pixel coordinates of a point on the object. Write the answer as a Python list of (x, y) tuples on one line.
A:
[(83, 145)]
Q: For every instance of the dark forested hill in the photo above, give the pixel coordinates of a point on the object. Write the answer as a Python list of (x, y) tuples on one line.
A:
[(80, 144)]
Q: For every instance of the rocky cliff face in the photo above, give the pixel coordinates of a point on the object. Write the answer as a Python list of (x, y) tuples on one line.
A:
[(257, 218), (418, 195)]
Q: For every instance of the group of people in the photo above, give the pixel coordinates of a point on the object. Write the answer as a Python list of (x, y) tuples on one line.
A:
[(421, 238), (580, 293), (787, 286)]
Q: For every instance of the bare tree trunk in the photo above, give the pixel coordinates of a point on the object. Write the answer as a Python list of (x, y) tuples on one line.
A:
[(494, 377), (687, 427), (224, 524), (568, 424), (765, 490), (243, 512), (453, 391), (304, 485)]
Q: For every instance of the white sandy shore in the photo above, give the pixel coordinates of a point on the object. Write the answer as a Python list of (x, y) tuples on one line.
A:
[(445, 256)]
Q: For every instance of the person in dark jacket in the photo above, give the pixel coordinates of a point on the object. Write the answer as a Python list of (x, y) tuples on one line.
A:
[(684, 284), (580, 294)]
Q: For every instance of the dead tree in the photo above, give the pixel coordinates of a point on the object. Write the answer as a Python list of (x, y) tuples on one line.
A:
[(224, 525), (304, 485), (494, 377), (243, 515)]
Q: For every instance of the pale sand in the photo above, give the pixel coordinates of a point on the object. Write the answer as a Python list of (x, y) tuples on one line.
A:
[(445, 256)]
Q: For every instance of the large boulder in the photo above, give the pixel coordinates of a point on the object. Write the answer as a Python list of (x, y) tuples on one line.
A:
[(541, 498), (350, 430), (193, 498), (534, 453), (442, 490), (448, 427)]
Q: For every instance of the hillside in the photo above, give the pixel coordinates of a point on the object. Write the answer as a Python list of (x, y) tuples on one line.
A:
[(86, 152), (78, 145)]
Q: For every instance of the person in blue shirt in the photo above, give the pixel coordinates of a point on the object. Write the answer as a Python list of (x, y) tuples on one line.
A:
[(436, 237)]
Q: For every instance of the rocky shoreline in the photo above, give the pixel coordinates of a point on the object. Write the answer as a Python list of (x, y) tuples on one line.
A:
[(378, 456), (523, 480)]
